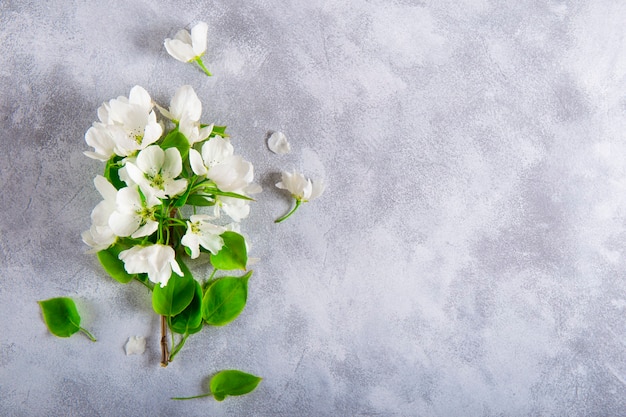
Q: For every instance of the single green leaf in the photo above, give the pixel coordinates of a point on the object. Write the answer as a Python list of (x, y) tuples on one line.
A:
[(190, 318), (216, 191), (199, 200), (61, 317), (181, 200), (113, 265), (111, 172), (225, 299), (219, 131), (233, 255), (176, 295), (177, 140), (232, 382)]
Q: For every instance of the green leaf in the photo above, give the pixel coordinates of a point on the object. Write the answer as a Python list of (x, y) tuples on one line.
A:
[(216, 191), (190, 319), (61, 317), (177, 140), (233, 255), (225, 299), (176, 295), (113, 265), (182, 199), (199, 200), (232, 382), (219, 131), (111, 172)]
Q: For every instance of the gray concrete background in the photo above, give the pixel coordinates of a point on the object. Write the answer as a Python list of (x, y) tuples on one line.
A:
[(466, 259)]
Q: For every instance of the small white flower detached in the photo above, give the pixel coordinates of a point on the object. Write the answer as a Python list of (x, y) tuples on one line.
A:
[(301, 188), (189, 47)]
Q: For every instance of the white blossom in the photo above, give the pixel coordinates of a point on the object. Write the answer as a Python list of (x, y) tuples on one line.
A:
[(100, 236), (134, 216), (184, 105), (300, 187), (216, 150), (158, 261), (200, 232), (186, 47), (155, 171), (189, 47)]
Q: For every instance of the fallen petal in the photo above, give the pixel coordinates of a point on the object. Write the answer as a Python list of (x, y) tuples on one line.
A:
[(278, 143)]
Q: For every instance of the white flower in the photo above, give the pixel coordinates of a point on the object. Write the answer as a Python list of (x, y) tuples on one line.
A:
[(193, 131), (300, 187), (131, 123), (187, 47), (184, 105), (104, 140), (236, 208), (155, 171), (200, 232), (158, 261), (230, 173), (214, 151), (233, 174), (278, 143), (100, 236), (133, 216)]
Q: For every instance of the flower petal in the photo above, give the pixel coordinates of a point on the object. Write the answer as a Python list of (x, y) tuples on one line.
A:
[(124, 224), (198, 38), (140, 97), (150, 160), (186, 105), (172, 164), (179, 50), (197, 165), (278, 143), (147, 229), (105, 188), (317, 189)]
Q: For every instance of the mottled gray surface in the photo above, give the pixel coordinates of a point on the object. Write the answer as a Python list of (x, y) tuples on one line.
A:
[(466, 259)]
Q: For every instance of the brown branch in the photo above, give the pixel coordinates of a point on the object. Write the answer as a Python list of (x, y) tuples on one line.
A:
[(165, 356)]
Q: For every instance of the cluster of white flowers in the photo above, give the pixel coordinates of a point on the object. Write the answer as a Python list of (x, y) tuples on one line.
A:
[(151, 174)]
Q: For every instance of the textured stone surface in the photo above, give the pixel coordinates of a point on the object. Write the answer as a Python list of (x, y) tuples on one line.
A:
[(467, 257)]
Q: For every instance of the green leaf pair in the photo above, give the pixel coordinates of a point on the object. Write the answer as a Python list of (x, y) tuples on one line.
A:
[(62, 318), (228, 383)]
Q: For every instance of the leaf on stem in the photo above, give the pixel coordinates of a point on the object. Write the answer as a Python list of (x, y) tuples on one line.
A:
[(176, 295), (220, 131), (233, 255), (177, 140), (189, 321), (232, 382), (111, 172), (229, 382), (113, 265), (225, 299), (61, 317), (200, 200)]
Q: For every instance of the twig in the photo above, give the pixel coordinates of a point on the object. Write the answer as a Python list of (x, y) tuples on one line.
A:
[(165, 356)]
